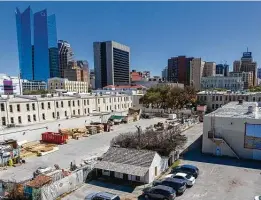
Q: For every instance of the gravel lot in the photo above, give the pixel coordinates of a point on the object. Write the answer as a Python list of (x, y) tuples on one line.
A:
[(75, 150)]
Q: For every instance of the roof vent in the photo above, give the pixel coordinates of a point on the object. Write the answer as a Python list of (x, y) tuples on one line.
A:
[(250, 109), (240, 101)]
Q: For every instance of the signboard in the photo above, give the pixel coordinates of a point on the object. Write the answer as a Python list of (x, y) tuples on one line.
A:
[(247, 54), (253, 136)]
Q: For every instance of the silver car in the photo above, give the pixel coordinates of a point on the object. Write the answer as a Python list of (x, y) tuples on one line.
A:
[(102, 196)]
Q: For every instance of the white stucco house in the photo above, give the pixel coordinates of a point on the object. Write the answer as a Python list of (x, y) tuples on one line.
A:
[(131, 164)]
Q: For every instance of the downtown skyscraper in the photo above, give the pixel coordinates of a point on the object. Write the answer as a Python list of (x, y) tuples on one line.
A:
[(37, 45)]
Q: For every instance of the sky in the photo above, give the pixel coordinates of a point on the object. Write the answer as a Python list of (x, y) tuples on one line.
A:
[(155, 31)]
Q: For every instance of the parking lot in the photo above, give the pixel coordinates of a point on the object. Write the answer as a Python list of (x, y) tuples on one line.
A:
[(223, 178)]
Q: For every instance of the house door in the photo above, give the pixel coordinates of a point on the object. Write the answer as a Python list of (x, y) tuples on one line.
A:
[(112, 174), (218, 151), (99, 172), (125, 177)]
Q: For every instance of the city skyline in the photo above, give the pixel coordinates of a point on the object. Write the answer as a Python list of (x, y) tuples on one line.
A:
[(210, 40)]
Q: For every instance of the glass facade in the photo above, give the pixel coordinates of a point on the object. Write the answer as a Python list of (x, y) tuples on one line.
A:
[(121, 67), (24, 37), (37, 45)]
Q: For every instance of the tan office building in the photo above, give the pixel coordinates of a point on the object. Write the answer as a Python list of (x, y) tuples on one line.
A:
[(196, 72), (209, 69)]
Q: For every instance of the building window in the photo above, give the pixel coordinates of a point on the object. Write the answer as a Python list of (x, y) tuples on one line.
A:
[(11, 108), (78, 111), (3, 121), (220, 98), (43, 116), (216, 98), (107, 108), (49, 105), (62, 104), (58, 115), (99, 109), (34, 117), (84, 110), (254, 99), (216, 106), (104, 100), (88, 102), (98, 101), (42, 105), (73, 112), (156, 171), (2, 107), (53, 115), (69, 104), (88, 110), (73, 103), (213, 106), (27, 107), (84, 102), (19, 119), (12, 120), (137, 178), (33, 106), (213, 98), (78, 102), (57, 105), (18, 107), (29, 118), (65, 113)]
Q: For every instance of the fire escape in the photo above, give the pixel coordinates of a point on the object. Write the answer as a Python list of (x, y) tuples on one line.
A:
[(217, 137)]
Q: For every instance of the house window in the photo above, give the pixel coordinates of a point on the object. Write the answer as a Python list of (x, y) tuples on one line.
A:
[(43, 116), (53, 115), (3, 121), (42, 105), (19, 119), (11, 108), (33, 106), (27, 107), (62, 104), (34, 117), (18, 107), (69, 103), (12, 120), (29, 118), (2, 107), (156, 171)]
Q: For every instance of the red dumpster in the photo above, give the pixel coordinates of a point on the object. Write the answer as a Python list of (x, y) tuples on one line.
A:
[(55, 138)]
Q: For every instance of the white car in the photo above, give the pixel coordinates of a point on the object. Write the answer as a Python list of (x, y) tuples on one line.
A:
[(257, 197), (190, 180)]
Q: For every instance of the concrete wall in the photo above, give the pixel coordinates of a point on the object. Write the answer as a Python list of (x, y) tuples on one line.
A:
[(233, 130)]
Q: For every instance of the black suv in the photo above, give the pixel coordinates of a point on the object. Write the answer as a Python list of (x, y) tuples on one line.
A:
[(159, 192), (188, 169), (177, 184)]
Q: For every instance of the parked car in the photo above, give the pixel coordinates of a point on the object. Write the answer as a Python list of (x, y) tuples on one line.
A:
[(257, 198), (178, 185), (159, 192), (188, 169), (190, 180), (102, 196)]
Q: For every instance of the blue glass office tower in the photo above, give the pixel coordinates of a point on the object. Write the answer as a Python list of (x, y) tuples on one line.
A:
[(40, 47), (24, 22)]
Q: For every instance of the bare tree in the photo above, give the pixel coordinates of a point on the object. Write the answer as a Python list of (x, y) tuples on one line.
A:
[(163, 142)]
